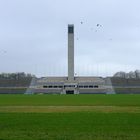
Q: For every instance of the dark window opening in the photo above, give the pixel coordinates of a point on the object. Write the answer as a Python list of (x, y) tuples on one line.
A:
[(70, 92), (69, 86), (96, 86), (70, 30), (90, 86)]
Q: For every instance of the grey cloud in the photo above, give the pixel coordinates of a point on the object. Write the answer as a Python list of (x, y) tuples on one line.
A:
[(34, 35)]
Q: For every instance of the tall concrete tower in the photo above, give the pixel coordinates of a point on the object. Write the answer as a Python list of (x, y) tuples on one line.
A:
[(70, 52)]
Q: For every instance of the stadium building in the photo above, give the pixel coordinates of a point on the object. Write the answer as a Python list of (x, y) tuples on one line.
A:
[(72, 84)]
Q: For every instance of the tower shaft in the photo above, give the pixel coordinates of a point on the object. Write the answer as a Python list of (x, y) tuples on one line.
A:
[(70, 52)]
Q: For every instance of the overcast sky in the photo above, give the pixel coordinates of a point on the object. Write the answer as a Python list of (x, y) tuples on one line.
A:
[(33, 36)]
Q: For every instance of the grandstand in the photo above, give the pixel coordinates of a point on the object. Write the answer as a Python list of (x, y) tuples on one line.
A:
[(62, 85)]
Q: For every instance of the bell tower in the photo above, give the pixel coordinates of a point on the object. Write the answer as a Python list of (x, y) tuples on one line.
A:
[(71, 52)]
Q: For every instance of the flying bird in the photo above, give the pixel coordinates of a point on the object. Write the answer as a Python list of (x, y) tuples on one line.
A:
[(95, 30), (99, 25), (3, 51)]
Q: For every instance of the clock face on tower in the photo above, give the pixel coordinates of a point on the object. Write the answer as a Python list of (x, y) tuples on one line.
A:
[(70, 30)]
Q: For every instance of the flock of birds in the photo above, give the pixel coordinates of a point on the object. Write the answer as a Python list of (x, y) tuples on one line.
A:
[(96, 30), (3, 51), (98, 25)]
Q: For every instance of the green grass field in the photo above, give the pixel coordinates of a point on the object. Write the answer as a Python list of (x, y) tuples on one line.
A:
[(69, 117), (70, 100)]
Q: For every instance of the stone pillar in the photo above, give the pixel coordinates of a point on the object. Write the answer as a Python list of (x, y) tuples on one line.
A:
[(71, 52)]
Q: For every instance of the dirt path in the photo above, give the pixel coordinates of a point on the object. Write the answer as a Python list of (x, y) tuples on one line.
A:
[(65, 109)]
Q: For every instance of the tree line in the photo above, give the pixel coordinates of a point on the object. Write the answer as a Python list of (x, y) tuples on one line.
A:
[(18, 75)]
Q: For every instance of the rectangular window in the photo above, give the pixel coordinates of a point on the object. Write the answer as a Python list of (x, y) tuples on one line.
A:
[(90, 86), (96, 86), (70, 30)]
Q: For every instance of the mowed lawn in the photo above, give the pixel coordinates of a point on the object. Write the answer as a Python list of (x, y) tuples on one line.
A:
[(70, 100), (69, 117), (70, 126)]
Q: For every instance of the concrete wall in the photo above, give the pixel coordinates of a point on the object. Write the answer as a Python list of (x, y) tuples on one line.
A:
[(15, 83), (13, 90), (11, 86)]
